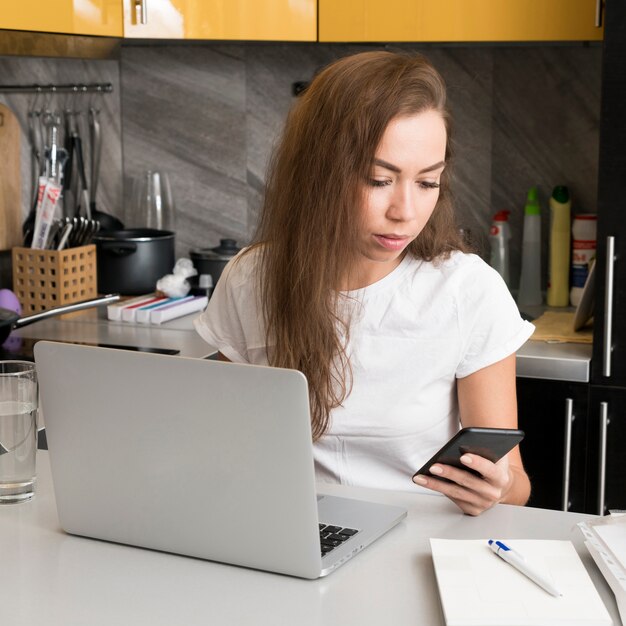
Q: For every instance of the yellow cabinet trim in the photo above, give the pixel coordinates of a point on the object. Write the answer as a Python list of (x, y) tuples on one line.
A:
[(254, 20), (458, 20), (73, 17)]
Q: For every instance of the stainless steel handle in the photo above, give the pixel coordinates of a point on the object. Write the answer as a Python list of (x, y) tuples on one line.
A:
[(608, 306), (598, 22), (141, 11), (569, 418), (66, 308), (604, 424)]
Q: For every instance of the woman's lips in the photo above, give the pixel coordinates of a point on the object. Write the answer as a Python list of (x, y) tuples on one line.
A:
[(392, 242)]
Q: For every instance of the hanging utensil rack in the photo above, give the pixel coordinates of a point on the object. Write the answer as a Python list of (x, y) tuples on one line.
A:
[(66, 88)]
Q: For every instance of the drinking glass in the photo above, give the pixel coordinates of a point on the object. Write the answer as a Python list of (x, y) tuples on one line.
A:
[(18, 430), (153, 206)]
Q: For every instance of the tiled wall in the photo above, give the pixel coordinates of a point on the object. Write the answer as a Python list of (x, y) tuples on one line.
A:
[(209, 114)]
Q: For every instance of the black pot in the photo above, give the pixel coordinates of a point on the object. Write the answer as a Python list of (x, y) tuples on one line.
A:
[(131, 261), (213, 260)]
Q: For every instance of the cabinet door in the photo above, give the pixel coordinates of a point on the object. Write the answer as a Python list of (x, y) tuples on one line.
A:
[(76, 17), (277, 20), (607, 456), (609, 349), (553, 414), (458, 20)]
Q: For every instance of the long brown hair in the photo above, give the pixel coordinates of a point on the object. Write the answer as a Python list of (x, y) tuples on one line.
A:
[(310, 216)]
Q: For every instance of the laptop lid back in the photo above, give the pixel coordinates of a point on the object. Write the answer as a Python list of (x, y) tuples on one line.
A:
[(191, 456)]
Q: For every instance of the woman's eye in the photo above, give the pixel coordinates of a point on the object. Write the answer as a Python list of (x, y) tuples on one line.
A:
[(373, 182), (424, 184)]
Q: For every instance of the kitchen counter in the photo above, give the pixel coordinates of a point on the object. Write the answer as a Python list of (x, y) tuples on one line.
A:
[(554, 361), (535, 359), (92, 327)]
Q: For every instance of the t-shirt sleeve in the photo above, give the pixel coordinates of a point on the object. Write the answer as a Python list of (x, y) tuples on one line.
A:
[(491, 327), (222, 324)]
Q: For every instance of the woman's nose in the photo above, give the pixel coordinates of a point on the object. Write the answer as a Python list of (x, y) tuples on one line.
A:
[(402, 206)]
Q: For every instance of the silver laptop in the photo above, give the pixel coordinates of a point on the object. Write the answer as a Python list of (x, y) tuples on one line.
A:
[(195, 457)]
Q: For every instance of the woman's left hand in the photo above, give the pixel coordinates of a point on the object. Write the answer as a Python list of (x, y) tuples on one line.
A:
[(471, 493)]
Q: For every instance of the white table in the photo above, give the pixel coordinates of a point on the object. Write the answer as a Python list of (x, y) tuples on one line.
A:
[(49, 577)]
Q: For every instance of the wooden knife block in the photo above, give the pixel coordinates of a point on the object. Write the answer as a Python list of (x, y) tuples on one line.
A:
[(44, 279)]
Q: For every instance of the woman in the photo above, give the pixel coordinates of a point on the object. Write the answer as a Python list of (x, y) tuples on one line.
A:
[(358, 278)]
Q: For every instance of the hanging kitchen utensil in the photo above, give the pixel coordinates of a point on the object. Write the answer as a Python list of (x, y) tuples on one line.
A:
[(38, 135), (107, 221), (53, 159), (52, 123), (10, 320), (69, 200), (83, 196), (10, 180), (35, 137), (95, 144)]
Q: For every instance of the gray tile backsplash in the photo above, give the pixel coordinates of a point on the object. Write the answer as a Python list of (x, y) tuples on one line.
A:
[(209, 114), (29, 71), (545, 130)]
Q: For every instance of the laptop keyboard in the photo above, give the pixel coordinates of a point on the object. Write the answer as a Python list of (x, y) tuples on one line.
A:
[(334, 536)]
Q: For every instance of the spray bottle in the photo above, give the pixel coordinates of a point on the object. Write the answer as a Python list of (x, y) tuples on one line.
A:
[(530, 280), (499, 235), (558, 269)]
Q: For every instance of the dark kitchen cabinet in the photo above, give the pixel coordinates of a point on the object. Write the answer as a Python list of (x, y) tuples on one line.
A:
[(606, 460), (597, 465), (554, 416), (609, 348), (574, 450), (607, 406)]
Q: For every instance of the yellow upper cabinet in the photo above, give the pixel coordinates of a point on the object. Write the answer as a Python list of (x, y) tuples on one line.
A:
[(74, 17), (270, 20), (458, 20)]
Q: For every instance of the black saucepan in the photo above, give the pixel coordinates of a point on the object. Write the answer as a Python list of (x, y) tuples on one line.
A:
[(131, 261), (10, 320)]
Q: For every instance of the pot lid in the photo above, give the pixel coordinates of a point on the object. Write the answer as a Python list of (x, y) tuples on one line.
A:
[(133, 234), (225, 251)]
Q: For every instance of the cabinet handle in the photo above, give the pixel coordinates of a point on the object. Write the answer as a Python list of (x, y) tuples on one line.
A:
[(598, 22), (569, 418), (604, 424), (141, 11), (608, 306)]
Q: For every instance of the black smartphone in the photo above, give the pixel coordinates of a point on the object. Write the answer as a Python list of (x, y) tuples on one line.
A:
[(491, 443)]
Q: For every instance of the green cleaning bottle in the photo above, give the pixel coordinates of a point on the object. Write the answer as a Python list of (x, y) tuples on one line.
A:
[(560, 228), (530, 281)]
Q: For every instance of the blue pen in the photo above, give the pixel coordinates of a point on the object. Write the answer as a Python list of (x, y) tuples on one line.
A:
[(515, 559)]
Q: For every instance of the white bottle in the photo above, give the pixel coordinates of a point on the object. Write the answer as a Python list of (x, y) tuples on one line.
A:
[(499, 235), (583, 252), (530, 279)]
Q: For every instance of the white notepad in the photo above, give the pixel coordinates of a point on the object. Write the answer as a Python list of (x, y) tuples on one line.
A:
[(478, 588)]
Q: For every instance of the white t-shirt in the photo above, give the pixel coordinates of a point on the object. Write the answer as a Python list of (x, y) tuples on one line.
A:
[(413, 333)]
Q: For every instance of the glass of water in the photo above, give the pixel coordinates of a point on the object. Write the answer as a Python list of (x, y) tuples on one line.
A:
[(18, 430)]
